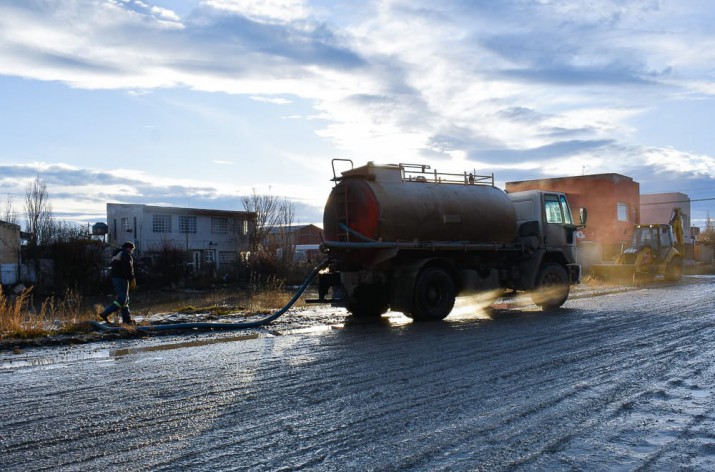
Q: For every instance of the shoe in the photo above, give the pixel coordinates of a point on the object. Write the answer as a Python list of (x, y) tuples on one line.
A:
[(128, 321), (105, 317)]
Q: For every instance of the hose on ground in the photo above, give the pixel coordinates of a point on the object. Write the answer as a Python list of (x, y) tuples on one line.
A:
[(219, 325)]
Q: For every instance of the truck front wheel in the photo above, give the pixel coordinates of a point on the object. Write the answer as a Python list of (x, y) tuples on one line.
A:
[(434, 295), (552, 286)]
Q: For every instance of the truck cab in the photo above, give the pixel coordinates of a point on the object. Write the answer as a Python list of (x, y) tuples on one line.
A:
[(548, 217)]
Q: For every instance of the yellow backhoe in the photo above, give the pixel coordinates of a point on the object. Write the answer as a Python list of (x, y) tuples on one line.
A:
[(653, 252)]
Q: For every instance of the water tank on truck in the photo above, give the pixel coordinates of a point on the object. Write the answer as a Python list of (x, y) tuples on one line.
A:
[(373, 203)]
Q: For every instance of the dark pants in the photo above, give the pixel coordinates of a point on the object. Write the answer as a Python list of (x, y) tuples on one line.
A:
[(121, 292)]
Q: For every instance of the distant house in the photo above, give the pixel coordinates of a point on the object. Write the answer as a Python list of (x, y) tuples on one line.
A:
[(210, 237), (658, 208), (305, 234), (612, 201), (9, 252), (303, 240)]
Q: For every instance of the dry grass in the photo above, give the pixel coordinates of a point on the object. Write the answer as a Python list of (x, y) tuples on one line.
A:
[(11, 312), (20, 317), (268, 294), (592, 281)]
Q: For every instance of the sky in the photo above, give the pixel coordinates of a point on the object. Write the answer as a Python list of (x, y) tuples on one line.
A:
[(196, 103)]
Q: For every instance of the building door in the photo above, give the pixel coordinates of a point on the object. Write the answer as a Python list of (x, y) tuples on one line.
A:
[(196, 260)]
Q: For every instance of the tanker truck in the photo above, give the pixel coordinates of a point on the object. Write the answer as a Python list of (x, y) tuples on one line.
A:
[(403, 237)]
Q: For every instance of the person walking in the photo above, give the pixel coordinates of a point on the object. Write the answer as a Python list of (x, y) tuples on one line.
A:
[(123, 279)]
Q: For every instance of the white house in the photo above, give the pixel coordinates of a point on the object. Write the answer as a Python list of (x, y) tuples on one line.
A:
[(215, 237)]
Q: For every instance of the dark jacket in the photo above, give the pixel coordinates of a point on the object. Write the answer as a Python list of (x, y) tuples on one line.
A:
[(122, 264)]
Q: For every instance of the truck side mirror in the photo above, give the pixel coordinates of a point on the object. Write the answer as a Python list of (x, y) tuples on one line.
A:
[(583, 216)]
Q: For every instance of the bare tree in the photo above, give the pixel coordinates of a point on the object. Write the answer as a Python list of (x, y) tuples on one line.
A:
[(274, 216), (8, 212), (63, 231), (708, 236), (286, 214), (267, 217), (38, 212)]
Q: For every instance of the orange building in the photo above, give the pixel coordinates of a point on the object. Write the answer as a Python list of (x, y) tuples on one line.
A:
[(612, 201), (306, 234)]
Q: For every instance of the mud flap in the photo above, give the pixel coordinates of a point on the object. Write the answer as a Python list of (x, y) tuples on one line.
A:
[(574, 273), (403, 290), (403, 286)]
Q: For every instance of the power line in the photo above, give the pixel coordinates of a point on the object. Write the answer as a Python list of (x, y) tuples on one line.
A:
[(679, 201), (682, 190)]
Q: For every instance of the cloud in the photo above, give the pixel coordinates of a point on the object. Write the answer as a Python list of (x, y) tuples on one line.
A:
[(275, 101), (278, 11), (541, 153), (165, 15), (83, 193), (129, 44), (521, 86)]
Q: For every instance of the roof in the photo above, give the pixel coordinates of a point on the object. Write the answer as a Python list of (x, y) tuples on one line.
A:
[(613, 177), (185, 211), (293, 228), (11, 225)]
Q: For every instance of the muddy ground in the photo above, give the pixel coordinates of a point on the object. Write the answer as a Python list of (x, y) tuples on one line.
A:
[(620, 381), (305, 316)]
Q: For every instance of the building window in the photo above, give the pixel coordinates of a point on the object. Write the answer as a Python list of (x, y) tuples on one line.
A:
[(219, 225), (125, 225), (226, 257), (161, 224), (187, 224), (209, 255), (622, 211), (245, 228)]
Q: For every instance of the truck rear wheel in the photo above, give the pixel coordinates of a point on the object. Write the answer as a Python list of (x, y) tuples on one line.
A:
[(434, 295), (552, 287)]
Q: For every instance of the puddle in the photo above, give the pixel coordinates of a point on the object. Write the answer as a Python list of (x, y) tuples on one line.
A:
[(309, 330), (58, 360), (118, 353), (55, 360), (50, 360)]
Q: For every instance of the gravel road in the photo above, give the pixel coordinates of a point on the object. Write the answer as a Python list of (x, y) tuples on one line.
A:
[(615, 382)]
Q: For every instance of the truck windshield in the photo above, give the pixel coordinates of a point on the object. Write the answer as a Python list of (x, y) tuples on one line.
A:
[(557, 209), (553, 209)]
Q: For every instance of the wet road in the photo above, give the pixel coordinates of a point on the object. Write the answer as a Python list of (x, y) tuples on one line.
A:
[(615, 382)]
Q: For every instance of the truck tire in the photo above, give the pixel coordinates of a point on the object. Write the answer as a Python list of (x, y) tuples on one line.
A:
[(552, 286), (674, 270), (369, 301), (434, 295)]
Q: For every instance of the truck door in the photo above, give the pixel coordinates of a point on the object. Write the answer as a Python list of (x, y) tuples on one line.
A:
[(559, 231)]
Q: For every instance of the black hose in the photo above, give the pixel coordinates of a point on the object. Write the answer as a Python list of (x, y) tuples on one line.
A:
[(222, 326)]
